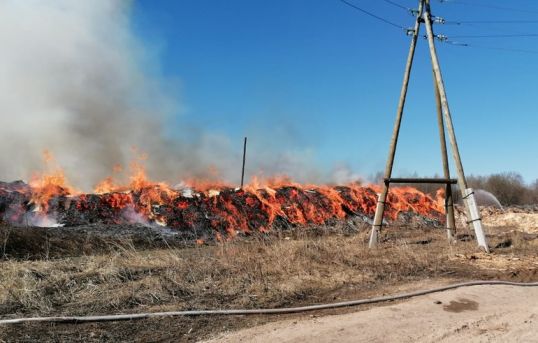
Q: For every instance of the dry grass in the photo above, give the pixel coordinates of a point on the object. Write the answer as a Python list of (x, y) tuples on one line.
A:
[(240, 274), (237, 274)]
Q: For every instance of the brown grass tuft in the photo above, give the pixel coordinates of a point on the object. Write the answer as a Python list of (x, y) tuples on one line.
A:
[(261, 273)]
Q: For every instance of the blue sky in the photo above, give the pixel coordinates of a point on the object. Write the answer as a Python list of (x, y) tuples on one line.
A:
[(321, 76)]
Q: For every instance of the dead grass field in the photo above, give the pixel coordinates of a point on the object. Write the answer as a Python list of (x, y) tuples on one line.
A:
[(270, 272)]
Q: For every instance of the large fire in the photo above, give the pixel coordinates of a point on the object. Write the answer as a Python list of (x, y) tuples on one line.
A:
[(48, 199)]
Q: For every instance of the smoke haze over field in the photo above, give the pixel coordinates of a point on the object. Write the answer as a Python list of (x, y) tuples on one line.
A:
[(71, 83), (74, 80)]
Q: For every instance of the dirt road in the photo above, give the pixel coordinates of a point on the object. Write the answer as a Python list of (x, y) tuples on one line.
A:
[(475, 314)]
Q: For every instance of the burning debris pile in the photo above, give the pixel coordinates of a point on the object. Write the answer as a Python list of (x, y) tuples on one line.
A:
[(221, 212)]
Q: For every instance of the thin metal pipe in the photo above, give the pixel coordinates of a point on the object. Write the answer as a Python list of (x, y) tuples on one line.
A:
[(244, 159), (378, 219)]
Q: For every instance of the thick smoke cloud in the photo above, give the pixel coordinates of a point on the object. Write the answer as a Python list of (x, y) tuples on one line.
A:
[(74, 80), (71, 83)]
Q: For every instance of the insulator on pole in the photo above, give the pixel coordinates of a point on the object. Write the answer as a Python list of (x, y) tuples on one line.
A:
[(439, 20)]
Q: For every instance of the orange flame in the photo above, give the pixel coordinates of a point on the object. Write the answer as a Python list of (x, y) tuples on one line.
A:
[(49, 184), (256, 207)]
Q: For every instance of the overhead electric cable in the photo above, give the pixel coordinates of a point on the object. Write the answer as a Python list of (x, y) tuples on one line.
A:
[(534, 52), (456, 43), (395, 4), (498, 36), (372, 14), (453, 22), (502, 8), (447, 40)]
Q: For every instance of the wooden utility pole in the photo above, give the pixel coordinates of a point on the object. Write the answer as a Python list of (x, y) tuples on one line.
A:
[(380, 209), (467, 194), (444, 116), (244, 158), (449, 200)]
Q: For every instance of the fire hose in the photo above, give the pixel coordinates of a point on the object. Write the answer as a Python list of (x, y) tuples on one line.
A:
[(285, 310)]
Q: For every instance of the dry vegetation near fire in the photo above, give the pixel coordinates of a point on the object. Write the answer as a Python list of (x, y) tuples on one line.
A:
[(151, 247), (292, 267)]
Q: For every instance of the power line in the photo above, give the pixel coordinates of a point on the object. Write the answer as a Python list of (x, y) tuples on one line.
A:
[(455, 43), (485, 47), (395, 4), (446, 39), (498, 36), (451, 22), (534, 52), (386, 21), (502, 8)]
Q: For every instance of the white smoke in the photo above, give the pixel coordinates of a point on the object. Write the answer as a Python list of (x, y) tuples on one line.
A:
[(342, 175), (74, 80), (70, 82)]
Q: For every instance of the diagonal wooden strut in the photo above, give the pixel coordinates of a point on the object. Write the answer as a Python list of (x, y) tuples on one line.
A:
[(444, 116), (380, 209), (449, 200), (467, 194)]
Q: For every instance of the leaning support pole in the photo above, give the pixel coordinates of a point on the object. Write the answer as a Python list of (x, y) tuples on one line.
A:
[(467, 194), (243, 166), (449, 200), (380, 209)]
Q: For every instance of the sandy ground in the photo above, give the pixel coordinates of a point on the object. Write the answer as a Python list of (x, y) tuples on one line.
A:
[(473, 314), (526, 222)]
